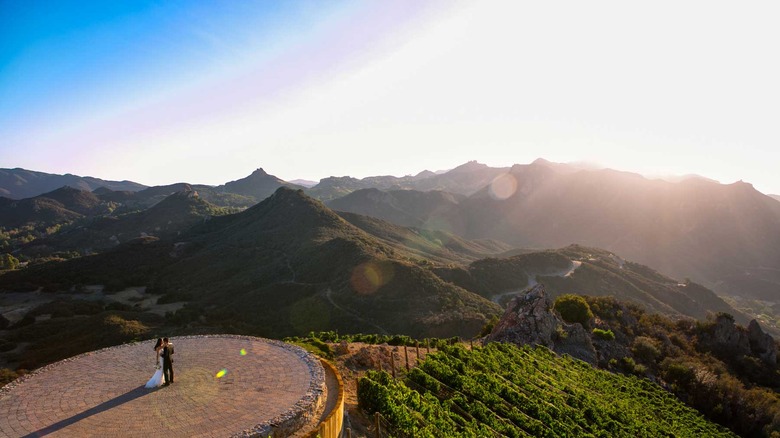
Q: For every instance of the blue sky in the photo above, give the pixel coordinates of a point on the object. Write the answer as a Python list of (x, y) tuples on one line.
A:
[(205, 92)]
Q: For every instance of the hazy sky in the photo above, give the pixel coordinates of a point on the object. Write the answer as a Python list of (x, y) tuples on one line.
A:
[(205, 92)]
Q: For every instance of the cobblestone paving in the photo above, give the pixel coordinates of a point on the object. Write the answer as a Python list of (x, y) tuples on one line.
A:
[(102, 393)]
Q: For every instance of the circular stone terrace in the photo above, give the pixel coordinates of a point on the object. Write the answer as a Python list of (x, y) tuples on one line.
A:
[(223, 386)]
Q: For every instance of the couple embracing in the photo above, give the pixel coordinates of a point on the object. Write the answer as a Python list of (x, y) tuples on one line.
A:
[(163, 350)]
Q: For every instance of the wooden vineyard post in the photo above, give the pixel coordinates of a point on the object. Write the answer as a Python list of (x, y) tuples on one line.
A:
[(349, 433), (417, 348), (406, 353), (392, 363), (376, 420), (427, 346), (471, 344)]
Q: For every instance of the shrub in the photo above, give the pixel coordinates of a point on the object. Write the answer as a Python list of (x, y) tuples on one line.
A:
[(488, 327), (645, 350), (7, 261), (7, 376), (315, 346), (627, 364), (573, 308), (607, 335), (678, 373)]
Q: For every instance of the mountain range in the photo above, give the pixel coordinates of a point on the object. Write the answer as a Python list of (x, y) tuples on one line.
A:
[(725, 236), (20, 183), (290, 264), (431, 226)]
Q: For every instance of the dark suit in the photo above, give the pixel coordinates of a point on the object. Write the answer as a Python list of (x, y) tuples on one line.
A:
[(167, 352)]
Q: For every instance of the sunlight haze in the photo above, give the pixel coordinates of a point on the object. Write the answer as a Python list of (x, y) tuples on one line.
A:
[(206, 92)]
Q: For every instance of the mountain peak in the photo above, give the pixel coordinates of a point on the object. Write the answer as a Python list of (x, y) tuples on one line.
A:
[(469, 167), (541, 162), (424, 174), (63, 189), (259, 185), (290, 198), (102, 190)]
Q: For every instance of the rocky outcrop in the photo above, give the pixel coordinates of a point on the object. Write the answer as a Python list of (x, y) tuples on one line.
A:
[(529, 319), (576, 343), (726, 337), (729, 339), (762, 345)]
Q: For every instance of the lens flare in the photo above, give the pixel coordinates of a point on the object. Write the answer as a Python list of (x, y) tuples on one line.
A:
[(242, 352), (221, 373), (503, 186), (370, 276)]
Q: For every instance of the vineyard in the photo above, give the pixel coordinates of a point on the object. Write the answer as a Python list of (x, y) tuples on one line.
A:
[(503, 390)]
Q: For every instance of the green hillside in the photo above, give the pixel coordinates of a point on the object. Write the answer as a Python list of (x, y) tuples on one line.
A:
[(424, 244), (502, 390), (283, 267), (168, 218), (588, 271)]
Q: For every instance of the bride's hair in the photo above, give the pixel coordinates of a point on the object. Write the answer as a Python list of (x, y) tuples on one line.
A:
[(159, 342)]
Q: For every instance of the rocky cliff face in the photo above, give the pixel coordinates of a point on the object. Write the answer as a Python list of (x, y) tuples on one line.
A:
[(727, 337), (529, 319), (762, 344)]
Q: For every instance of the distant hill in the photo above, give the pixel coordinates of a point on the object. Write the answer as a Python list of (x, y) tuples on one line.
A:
[(587, 271), (424, 245), (463, 180), (285, 266), (143, 199), (410, 208), (259, 185), (60, 206), (725, 236), (304, 182), (172, 216), (777, 197), (20, 183)]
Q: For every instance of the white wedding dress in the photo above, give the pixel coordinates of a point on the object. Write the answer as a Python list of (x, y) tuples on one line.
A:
[(157, 378)]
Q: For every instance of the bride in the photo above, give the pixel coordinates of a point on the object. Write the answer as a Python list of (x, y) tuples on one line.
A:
[(157, 378)]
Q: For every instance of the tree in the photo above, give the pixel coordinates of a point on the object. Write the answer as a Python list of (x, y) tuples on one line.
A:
[(573, 308), (7, 261)]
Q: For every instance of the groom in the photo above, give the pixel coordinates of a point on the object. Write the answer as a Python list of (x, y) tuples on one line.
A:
[(167, 353)]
